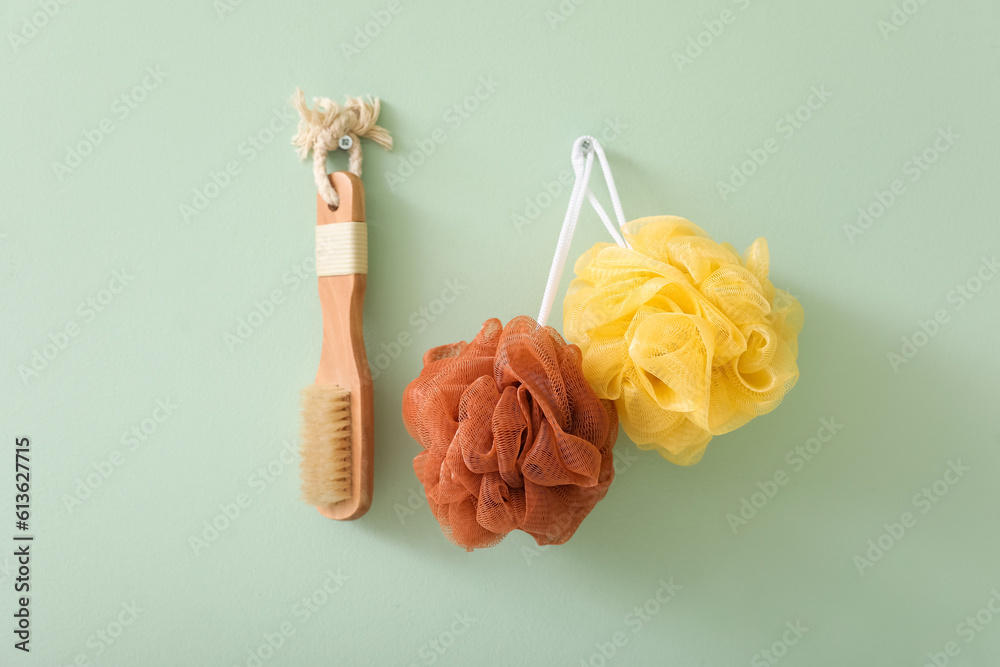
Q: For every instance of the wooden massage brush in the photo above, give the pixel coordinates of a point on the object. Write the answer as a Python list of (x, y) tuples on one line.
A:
[(337, 417)]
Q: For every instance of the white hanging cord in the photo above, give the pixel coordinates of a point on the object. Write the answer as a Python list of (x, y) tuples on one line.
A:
[(329, 126), (596, 147), (582, 156)]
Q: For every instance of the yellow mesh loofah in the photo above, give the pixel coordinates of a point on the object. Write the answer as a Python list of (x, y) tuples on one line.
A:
[(688, 339)]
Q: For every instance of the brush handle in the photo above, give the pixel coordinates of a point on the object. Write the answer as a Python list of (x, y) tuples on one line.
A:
[(343, 360)]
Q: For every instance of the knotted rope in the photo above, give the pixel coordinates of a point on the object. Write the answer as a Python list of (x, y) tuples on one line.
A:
[(322, 128)]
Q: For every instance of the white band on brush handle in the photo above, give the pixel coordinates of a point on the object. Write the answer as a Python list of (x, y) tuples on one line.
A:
[(341, 248)]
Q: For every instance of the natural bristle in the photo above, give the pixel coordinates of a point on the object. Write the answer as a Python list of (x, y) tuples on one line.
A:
[(325, 454)]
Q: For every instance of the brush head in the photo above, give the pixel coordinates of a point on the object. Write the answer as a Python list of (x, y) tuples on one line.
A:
[(325, 458)]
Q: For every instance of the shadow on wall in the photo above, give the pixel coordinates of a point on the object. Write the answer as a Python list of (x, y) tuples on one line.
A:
[(810, 506), (774, 514), (783, 504)]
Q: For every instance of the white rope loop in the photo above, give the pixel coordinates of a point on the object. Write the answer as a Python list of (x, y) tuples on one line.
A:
[(584, 149), (322, 127), (341, 248)]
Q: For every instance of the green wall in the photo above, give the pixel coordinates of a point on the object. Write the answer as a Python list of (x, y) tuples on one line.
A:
[(135, 305)]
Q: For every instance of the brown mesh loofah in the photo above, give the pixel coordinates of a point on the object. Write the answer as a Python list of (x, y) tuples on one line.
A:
[(513, 435)]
